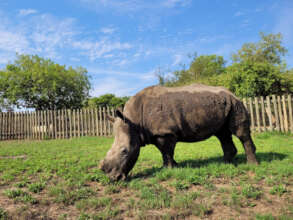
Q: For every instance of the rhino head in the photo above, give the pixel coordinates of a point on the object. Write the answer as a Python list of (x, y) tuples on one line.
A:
[(124, 152)]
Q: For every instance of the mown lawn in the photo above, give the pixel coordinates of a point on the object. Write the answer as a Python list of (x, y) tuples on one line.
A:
[(59, 179)]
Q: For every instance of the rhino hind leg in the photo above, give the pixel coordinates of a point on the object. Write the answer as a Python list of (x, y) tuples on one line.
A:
[(229, 149), (166, 145), (249, 148), (243, 133)]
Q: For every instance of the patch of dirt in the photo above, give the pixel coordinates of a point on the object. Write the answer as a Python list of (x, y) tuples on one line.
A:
[(211, 199)]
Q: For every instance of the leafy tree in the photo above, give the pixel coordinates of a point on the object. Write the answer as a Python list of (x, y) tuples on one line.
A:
[(35, 82), (255, 79), (206, 66), (269, 49), (258, 68), (107, 100), (201, 68)]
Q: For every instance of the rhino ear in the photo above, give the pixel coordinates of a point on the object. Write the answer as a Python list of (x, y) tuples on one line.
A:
[(120, 114), (110, 118)]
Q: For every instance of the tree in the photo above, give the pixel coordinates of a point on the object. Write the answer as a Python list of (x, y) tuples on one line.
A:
[(201, 68), (206, 66), (107, 100), (35, 82), (258, 68), (255, 79), (269, 49)]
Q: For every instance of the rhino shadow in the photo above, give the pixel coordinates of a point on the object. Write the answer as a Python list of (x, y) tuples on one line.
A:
[(197, 163), (239, 159)]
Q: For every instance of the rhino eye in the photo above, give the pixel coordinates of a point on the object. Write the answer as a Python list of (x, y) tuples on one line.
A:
[(124, 151)]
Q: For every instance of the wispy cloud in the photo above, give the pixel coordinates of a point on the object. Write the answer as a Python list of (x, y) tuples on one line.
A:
[(25, 12), (98, 49), (174, 3), (114, 81), (178, 58), (239, 13), (49, 36), (134, 5), (11, 41), (111, 85), (150, 75), (108, 30)]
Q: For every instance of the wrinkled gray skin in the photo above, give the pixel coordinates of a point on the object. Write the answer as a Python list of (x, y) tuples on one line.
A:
[(164, 116)]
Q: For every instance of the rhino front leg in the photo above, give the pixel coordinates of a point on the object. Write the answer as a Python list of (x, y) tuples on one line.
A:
[(166, 145), (229, 149)]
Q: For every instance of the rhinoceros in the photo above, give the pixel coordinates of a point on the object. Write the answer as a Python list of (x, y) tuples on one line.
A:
[(163, 116)]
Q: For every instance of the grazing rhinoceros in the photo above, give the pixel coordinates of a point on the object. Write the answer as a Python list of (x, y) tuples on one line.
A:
[(163, 116)]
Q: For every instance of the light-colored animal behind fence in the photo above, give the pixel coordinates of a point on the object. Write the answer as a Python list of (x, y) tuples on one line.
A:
[(272, 113)]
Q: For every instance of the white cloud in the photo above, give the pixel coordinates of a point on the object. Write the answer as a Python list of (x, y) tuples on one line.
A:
[(174, 3), (98, 49), (108, 30), (25, 12), (134, 5), (112, 85), (150, 75), (178, 58), (11, 41), (49, 37), (239, 13)]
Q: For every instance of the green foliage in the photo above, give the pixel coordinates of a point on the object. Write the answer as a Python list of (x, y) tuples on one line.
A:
[(257, 69), (107, 100), (201, 68), (19, 195), (250, 191), (256, 79), (279, 190), (269, 49), (35, 82), (3, 214), (207, 66), (36, 187)]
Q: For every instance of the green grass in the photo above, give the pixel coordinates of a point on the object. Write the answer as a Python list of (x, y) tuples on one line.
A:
[(63, 174)]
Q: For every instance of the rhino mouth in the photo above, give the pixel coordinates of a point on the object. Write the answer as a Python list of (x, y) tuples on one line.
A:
[(112, 173)]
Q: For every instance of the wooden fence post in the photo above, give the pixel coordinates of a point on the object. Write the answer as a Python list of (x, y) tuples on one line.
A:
[(290, 112), (278, 128), (97, 121), (280, 113), (81, 121), (285, 114), (257, 113), (108, 122), (269, 113), (263, 113), (93, 121), (101, 121), (251, 114)]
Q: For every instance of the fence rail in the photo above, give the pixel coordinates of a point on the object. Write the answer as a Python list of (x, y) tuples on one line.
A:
[(271, 113)]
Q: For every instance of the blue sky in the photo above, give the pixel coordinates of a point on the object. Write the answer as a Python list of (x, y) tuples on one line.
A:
[(122, 43)]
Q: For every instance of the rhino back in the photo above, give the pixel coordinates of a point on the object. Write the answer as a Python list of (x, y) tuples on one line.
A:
[(190, 113)]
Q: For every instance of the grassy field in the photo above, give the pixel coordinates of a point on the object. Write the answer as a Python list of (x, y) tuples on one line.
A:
[(59, 179)]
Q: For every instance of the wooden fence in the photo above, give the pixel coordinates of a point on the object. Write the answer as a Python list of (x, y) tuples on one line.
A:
[(272, 113), (57, 124)]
